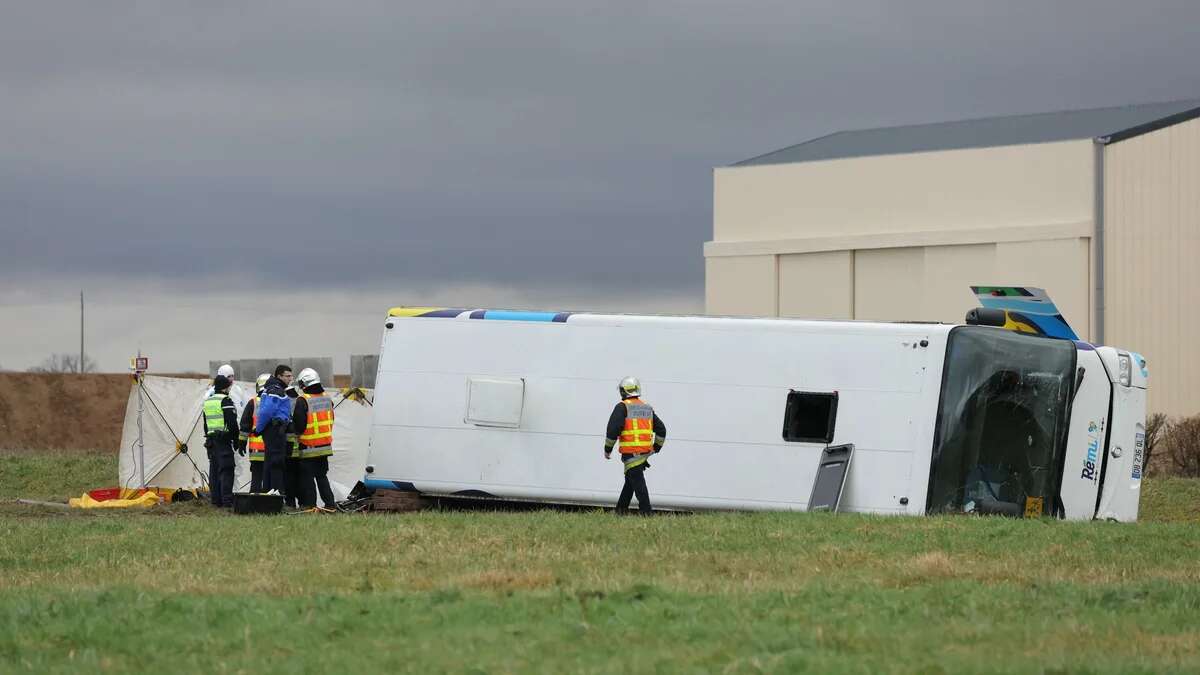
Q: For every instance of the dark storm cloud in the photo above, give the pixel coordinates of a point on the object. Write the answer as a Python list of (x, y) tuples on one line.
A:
[(535, 144)]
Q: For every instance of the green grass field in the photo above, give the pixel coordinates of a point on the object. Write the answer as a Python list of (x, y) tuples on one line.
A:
[(185, 589)]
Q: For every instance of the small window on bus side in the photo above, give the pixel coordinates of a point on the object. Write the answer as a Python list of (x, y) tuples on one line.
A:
[(810, 417), (495, 402)]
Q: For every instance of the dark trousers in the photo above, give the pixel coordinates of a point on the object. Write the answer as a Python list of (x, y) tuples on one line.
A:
[(299, 490), (275, 439), (256, 476), (635, 484), (316, 472), (220, 473)]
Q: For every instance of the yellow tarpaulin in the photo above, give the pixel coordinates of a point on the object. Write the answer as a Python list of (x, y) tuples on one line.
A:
[(86, 502)]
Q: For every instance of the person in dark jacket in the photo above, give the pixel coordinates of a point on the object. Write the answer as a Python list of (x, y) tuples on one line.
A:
[(274, 418), (312, 423), (220, 436), (640, 432)]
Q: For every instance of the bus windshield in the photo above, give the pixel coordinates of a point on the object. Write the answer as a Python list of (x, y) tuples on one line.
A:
[(1002, 423)]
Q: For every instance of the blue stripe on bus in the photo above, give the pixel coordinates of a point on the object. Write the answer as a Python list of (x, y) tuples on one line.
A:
[(1025, 306), (377, 484), (509, 315)]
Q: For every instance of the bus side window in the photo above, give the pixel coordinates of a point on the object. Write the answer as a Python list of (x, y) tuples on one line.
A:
[(810, 417), (495, 402)]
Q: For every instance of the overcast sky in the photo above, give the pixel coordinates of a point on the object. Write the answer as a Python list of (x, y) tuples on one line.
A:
[(208, 170)]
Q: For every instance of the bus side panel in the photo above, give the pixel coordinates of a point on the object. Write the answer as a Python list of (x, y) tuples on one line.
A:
[(721, 394)]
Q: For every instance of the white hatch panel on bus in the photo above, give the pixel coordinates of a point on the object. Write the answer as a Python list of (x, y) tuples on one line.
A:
[(1085, 441), (494, 402)]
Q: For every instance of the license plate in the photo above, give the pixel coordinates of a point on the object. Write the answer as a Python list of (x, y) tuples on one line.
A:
[(1139, 451)]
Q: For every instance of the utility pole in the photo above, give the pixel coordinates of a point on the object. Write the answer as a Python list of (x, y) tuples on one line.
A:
[(80, 332)]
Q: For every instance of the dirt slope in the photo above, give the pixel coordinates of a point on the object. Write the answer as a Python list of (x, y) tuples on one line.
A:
[(62, 412)]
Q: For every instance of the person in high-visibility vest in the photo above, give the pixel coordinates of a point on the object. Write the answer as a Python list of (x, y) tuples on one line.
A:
[(220, 434), (248, 440), (235, 393), (639, 431), (312, 422), (293, 472)]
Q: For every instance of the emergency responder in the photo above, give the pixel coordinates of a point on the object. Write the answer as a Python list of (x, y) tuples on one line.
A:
[(225, 371), (251, 441), (235, 393), (220, 435), (641, 433), (293, 472), (312, 422), (274, 416)]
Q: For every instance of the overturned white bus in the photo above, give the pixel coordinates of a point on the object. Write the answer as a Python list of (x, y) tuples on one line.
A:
[(943, 418)]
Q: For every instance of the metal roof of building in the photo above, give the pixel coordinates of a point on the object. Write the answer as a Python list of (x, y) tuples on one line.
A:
[(1104, 124)]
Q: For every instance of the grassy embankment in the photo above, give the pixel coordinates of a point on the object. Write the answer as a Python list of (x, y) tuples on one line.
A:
[(570, 592)]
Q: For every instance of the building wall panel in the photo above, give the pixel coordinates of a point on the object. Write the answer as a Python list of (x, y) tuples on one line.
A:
[(888, 283), (741, 285), (817, 285), (1152, 259), (948, 190), (920, 283), (949, 272)]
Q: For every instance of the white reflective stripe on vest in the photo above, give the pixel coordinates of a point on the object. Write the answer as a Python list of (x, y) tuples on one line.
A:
[(639, 411), (318, 404)]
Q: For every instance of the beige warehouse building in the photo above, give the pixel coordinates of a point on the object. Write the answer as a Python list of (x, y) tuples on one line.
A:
[(1099, 207)]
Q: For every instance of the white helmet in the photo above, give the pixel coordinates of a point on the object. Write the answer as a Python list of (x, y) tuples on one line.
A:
[(630, 387), (261, 382), (227, 371), (307, 378)]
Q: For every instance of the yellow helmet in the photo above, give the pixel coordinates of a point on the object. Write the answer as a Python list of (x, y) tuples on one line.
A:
[(261, 383)]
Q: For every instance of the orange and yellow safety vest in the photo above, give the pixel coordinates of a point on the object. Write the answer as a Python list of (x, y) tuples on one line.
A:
[(254, 442), (637, 438), (317, 439)]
